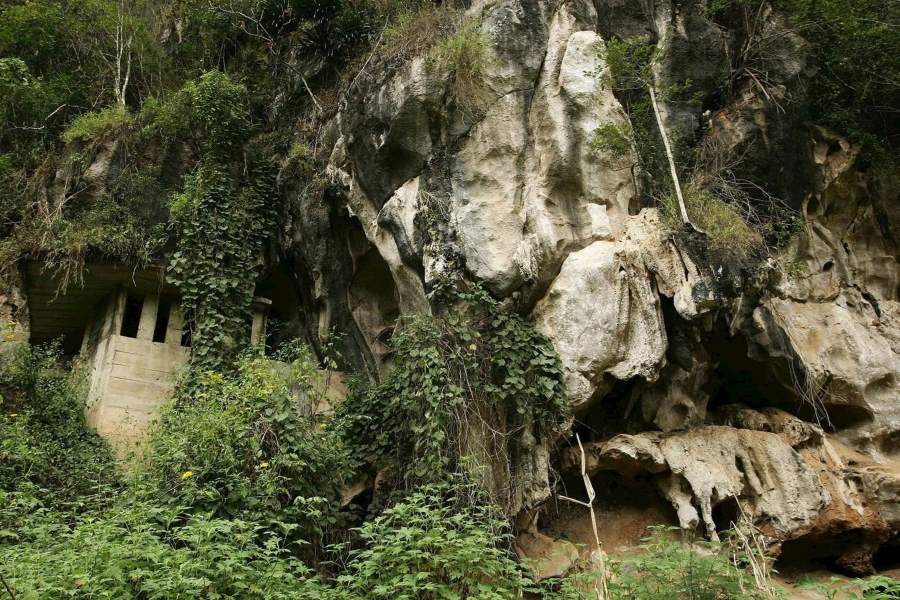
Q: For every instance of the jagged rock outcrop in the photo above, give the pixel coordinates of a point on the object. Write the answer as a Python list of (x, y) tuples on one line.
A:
[(508, 189), (512, 192), (781, 474)]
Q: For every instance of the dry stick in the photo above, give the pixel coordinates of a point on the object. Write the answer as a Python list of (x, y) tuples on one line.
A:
[(6, 585), (669, 156), (602, 591)]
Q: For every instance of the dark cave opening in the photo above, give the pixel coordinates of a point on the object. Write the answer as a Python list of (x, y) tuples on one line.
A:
[(887, 557), (725, 514), (608, 416), (738, 379), (851, 552)]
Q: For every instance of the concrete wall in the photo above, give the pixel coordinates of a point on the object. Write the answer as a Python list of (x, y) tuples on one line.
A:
[(130, 377)]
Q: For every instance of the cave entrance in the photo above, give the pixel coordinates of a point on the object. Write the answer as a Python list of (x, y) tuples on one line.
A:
[(738, 379), (726, 514)]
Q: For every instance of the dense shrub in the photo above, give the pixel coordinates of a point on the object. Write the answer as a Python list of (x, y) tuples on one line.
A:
[(434, 544), (130, 552), (476, 366), (241, 445), (48, 460)]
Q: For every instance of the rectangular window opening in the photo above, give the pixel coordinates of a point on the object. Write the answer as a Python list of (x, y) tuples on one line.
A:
[(131, 320), (162, 321)]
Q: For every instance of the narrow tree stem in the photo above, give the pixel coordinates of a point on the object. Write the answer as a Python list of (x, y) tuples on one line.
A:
[(8, 589), (671, 158)]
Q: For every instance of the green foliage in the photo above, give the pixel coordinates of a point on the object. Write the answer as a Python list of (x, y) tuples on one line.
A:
[(116, 224), (241, 446), (614, 143), (131, 552), (857, 86), (877, 587), (630, 62), (93, 127), (233, 493), (671, 570), (70, 46), (433, 545), (222, 222), (463, 57), (725, 227), (47, 458), (475, 364)]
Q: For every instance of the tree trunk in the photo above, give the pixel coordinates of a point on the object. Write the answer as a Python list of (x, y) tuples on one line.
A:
[(674, 172)]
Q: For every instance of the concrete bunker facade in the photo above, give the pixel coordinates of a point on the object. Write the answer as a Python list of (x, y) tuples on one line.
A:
[(127, 329)]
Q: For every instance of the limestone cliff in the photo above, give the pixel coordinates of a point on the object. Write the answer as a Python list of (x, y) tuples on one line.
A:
[(650, 327), (766, 389)]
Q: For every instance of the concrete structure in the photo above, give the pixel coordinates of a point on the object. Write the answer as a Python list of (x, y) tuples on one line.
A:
[(127, 328), (133, 365)]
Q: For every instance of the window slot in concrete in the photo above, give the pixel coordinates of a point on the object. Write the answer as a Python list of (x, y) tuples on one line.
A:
[(131, 320), (162, 321)]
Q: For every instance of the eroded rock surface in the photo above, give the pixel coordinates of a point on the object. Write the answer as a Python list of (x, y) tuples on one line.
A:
[(650, 328)]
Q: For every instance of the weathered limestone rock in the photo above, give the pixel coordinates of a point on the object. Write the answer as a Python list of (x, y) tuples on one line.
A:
[(603, 317), (544, 556), (785, 475), (707, 466)]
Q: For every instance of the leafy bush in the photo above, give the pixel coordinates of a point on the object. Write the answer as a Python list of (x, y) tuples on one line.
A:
[(434, 545), (240, 446), (130, 552), (47, 458)]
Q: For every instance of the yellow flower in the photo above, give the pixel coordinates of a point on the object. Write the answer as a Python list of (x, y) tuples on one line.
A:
[(14, 414), (264, 465), (473, 347), (187, 474)]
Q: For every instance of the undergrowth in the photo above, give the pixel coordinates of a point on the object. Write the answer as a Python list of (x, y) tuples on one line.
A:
[(237, 497)]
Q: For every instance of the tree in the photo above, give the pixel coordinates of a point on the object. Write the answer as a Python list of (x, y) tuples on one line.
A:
[(631, 65)]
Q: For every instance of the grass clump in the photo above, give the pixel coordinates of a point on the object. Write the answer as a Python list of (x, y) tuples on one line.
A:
[(728, 232), (415, 29), (464, 58)]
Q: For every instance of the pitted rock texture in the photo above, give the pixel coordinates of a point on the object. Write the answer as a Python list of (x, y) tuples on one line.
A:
[(512, 193), (781, 474)]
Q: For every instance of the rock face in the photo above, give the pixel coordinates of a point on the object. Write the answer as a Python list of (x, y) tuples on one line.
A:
[(767, 392), (768, 468), (651, 330)]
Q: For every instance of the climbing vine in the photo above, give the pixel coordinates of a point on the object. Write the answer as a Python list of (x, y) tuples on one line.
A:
[(222, 217), (466, 388)]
